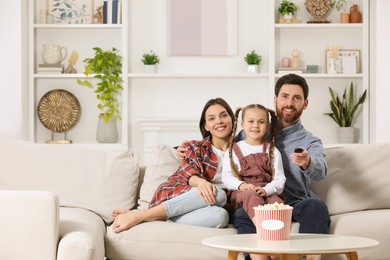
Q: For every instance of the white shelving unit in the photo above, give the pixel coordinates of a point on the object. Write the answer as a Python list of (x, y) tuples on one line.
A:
[(183, 84), (312, 40), (81, 38)]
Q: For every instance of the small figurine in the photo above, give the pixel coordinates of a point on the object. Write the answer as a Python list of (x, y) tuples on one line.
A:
[(285, 62), (72, 61), (99, 14), (296, 59)]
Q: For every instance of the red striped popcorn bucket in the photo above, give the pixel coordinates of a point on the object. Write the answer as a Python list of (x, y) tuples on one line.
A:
[(273, 224)]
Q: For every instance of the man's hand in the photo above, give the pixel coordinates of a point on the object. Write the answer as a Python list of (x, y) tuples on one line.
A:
[(182, 149), (301, 159)]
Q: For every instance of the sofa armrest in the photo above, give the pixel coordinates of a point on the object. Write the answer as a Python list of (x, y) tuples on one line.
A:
[(29, 224)]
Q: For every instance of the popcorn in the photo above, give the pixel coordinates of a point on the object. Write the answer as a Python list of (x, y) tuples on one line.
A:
[(275, 205)]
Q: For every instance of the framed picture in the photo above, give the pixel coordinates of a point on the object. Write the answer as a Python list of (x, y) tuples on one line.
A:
[(71, 11), (343, 61)]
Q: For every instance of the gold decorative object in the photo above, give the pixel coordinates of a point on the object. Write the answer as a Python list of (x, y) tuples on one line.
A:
[(318, 9), (59, 110)]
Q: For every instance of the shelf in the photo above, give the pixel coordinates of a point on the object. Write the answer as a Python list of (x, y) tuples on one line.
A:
[(325, 75), (320, 26), (78, 26), (198, 75)]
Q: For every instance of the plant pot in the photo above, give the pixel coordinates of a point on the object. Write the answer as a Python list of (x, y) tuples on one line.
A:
[(253, 68), (346, 135), (344, 18), (150, 68), (107, 132)]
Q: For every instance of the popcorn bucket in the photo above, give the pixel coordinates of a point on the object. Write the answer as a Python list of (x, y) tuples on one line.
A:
[(273, 224)]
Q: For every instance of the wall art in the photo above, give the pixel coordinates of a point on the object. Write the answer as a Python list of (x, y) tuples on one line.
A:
[(202, 27)]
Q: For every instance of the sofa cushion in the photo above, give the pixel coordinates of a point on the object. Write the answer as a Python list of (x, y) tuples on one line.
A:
[(163, 162), (357, 178), (164, 240), (96, 180)]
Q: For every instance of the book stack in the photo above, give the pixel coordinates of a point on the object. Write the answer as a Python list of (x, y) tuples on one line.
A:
[(112, 12), (51, 68), (289, 70)]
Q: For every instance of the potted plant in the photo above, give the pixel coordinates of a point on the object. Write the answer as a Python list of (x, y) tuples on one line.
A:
[(107, 67), (253, 60), (341, 5), (344, 109), (150, 60), (287, 10)]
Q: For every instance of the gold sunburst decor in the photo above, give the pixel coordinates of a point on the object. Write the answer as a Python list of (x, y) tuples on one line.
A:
[(59, 110)]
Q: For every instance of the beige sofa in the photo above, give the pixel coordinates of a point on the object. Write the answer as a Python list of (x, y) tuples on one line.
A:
[(56, 203)]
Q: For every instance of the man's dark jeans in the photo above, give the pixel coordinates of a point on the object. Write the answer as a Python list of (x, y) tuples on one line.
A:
[(311, 213)]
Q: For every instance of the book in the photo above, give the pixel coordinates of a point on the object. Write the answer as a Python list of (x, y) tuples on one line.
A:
[(290, 70), (105, 12), (44, 65), (119, 12), (109, 11), (115, 11)]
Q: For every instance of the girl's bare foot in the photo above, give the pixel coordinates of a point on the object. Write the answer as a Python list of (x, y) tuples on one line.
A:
[(116, 212)]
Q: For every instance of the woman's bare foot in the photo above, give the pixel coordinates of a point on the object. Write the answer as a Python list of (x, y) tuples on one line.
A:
[(126, 220), (116, 212)]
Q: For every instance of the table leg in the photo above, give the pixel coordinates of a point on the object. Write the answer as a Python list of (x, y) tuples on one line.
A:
[(352, 256), (233, 255)]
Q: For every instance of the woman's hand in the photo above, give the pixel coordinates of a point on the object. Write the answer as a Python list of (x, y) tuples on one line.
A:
[(207, 190)]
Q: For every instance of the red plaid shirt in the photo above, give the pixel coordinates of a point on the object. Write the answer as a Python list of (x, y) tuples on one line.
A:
[(200, 160)]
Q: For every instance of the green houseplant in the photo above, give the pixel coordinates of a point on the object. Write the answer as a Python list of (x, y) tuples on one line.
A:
[(150, 58), (341, 6), (287, 7), (344, 109), (107, 67), (252, 58)]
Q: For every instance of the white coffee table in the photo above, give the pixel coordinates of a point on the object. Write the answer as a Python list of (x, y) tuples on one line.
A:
[(298, 244)]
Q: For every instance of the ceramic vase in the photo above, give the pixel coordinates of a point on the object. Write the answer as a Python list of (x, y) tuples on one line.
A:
[(344, 18), (107, 132), (355, 16), (253, 68), (150, 68), (346, 135)]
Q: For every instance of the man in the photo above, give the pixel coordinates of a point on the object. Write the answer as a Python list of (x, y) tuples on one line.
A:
[(291, 98)]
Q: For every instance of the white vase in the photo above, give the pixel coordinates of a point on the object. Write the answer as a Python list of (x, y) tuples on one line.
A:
[(107, 132), (346, 135), (253, 68), (331, 66), (150, 68)]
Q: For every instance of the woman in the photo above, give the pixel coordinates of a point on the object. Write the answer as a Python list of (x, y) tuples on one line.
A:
[(194, 193)]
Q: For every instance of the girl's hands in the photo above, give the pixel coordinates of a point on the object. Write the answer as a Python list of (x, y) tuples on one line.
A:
[(245, 186)]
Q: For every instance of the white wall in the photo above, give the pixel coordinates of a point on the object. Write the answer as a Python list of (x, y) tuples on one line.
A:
[(14, 124), (380, 35), (11, 69)]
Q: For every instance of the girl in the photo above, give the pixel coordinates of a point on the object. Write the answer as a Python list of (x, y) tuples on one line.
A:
[(194, 193), (253, 169)]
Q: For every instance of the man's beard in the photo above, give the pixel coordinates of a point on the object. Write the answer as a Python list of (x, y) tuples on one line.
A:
[(289, 119)]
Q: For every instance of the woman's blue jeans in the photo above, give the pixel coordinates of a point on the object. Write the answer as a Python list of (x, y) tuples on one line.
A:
[(189, 208)]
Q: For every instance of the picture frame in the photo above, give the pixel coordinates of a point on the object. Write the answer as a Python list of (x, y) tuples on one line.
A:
[(342, 61), (71, 12)]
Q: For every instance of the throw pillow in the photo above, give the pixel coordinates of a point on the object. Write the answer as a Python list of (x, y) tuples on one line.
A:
[(163, 162)]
